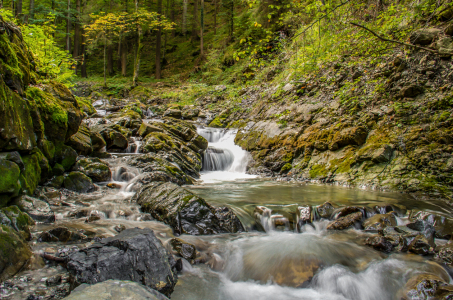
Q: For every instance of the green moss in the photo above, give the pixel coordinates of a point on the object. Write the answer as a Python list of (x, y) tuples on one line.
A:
[(32, 175), (47, 103), (85, 105), (217, 123), (238, 124), (9, 185), (286, 168), (318, 171)]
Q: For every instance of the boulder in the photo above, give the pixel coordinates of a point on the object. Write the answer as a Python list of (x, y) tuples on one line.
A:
[(78, 182), (115, 290), (65, 156), (184, 211), (379, 222), (94, 168), (174, 113), (9, 185), (190, 113), (134, 254), (31, 176), (14, 250), (114, 139), (97, 141), (325, 210), (421, 245), (37, 209), (345, 222), (146, 129), (445, 46), (81, 141), (422, 286), (443, 226), (424, 36), (379, 243), (444, 254)]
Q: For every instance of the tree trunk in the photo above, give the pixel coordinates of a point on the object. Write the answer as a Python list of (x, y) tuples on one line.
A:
[(123, 57), (75, 53), (31, 13), (110, 60), (195, 20), (184, 17), (137, 50), (173, 33), (215, 17), (68, 28), (158, 42), (165, 36), (18, 9), (201, 27), (83, 69), (105, 46), (118, 61)]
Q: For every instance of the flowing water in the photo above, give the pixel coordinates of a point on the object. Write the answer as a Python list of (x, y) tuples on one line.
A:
[(271, 260)]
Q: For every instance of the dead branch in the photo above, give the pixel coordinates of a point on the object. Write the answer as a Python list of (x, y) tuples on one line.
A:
[(393, 41)]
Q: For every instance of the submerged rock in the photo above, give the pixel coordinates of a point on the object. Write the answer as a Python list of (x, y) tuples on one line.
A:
[(115, 290), (134, 254), (184, 211)]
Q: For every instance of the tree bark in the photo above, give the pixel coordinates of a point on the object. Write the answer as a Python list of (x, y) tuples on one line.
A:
[(184, 17), (123, 56), (195, 20), (110, 60), (75, 53), (18, 9), (201, 27), (137, 50), (165, 35), (68, 28), (158, 42), (31, 9)]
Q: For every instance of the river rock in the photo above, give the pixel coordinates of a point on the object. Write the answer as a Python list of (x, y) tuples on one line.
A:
[(174, 113), (94, 168), (115, 290), (97, 141), (9, 185), (134, 254), (443, 226), (345, 222), (14, 250), (379, 222), (37, 209), (379, 243), (344, 211), (422, 286), (66, 156), (183, 249), (184, 211), (421, 245), (304, 216), (445, 254), (325, 210), (78, 182), (61, 234), (147, 128), (81, 141)]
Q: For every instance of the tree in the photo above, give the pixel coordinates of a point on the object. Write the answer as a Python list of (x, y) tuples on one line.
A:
[(201, 27), (158, 42)]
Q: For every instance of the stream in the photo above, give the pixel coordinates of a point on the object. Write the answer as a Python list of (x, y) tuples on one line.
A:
[(272, 260)]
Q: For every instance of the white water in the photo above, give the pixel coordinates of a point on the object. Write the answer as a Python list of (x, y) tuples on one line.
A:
[(220, 161)]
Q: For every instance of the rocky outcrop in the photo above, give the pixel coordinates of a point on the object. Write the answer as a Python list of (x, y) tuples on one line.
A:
[(134, 255), (184, 211), (115, 290)]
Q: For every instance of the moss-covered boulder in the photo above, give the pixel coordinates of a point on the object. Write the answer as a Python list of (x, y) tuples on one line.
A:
[(147, 128), (81, 141), (31, 176), (85, 105), (97, 141), (94, 168), (9, 185), (115, 136), (78, 182), (65, 156), (184, 211), (14, 252)]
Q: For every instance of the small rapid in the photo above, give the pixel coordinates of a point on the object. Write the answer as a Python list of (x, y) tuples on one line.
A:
[(223, 160)]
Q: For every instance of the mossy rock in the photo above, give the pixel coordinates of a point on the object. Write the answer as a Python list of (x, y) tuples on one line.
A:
[(97, 141), (85, 105), (66, 156), (9, 185), (94, 168), (15, 120), (217, 123), (81, 141), (56, 181), (146, 129), (58, 170), (14, 252), (32, 174), (78, 182), (48, 149)]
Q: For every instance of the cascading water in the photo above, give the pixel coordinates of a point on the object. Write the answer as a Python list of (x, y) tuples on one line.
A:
[(223, 160)]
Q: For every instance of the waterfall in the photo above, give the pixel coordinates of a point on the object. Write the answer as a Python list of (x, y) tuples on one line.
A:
[(223, 160)]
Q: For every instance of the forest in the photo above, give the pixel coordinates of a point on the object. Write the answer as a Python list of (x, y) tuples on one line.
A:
[(226, 149)]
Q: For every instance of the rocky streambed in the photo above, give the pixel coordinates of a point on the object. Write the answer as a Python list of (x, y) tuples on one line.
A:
[(142, 224)]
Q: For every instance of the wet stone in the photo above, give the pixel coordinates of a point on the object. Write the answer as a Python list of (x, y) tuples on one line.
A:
[(183, 249), (325, 210), (60, 234), (379, 222), (346, 222), (380, 243), (422, 286)]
